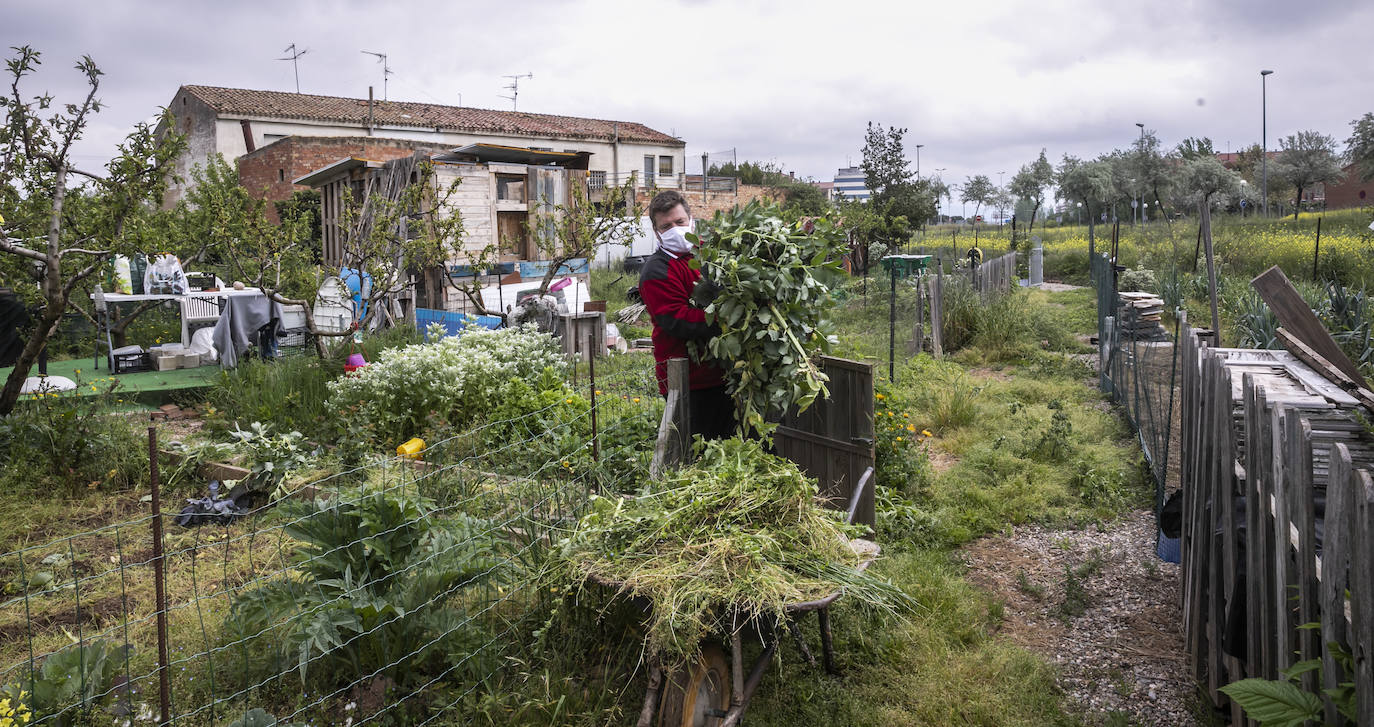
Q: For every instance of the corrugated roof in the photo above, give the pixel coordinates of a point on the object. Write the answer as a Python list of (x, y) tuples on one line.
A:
[(337, 109)]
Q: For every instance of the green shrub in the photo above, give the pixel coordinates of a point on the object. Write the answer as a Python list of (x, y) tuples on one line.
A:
[(71, 683), (290, 394), (65, 444), (1138, 278), (453, 381), (378, 587)]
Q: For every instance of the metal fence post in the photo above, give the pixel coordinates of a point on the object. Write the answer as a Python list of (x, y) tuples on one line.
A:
[(164, 687)]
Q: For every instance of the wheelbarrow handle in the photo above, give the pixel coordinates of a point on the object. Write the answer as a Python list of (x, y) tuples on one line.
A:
[(864, 483)]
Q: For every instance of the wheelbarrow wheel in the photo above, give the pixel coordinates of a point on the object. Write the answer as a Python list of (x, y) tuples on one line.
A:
[(698, 695)]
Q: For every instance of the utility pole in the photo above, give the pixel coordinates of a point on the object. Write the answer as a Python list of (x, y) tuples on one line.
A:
[(515, 89), (918, 160), (386, 70), (294, 55)]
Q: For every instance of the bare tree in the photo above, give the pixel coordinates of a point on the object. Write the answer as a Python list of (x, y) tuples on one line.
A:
[(66, 221)]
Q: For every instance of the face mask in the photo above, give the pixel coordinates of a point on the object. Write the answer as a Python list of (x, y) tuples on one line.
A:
[(674, 239)]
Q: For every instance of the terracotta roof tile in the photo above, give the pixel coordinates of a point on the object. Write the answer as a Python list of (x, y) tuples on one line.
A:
[(283, 105)]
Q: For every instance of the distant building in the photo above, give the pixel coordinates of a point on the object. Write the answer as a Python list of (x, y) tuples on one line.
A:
[(1230, 159), (850, 183), (235, 122), (827, 189), (1350, 191)]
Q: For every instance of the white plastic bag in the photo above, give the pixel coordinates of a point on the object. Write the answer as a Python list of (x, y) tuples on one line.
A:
[(164, 276)]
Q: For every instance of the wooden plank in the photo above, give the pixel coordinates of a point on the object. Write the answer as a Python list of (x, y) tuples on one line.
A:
[(1362, 595), (1302, 510), (1295, 316), (1335, 559), (1325, 368), (1254, 523), (209, 470)]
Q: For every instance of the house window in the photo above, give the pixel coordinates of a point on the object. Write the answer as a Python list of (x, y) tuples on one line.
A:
[(665, 166), (281, 175), (649, 170), (510, 187), (596, 179)]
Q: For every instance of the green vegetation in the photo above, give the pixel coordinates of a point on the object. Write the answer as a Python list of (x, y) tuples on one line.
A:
[(772, 307), (738, 529)]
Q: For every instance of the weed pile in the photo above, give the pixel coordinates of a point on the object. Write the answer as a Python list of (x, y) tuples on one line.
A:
[(738, 534)]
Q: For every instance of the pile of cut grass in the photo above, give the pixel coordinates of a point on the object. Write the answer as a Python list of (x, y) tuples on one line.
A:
[(739, 532)]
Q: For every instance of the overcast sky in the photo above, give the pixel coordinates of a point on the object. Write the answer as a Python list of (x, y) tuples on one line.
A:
[(982, 85)]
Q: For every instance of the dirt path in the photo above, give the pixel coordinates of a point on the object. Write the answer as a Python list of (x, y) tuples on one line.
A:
[(1100, 605)]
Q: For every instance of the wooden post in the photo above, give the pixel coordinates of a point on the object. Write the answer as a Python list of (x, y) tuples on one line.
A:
[(937, 331), (674, 445), (919, 334), (1317, 250), (1206, 215)]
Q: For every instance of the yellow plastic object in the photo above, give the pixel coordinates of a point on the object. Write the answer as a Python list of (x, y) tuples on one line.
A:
[(411, 449)]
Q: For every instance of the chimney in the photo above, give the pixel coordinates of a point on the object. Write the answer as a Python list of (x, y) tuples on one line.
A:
[(247, 135)]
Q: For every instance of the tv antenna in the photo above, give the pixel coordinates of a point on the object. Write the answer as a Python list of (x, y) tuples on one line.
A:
[(386, 70), (515, 89), (295, 54)]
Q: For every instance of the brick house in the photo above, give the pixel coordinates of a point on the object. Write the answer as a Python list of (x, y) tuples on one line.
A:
[(1350, 191), (270, 171), (236, 122)]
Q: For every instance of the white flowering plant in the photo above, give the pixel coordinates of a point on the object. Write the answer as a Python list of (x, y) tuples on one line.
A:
[(451, 382)]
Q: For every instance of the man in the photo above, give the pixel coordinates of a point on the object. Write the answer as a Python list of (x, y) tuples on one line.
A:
[(675, 296)]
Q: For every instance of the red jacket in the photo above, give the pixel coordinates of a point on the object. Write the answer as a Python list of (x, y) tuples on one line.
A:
[(665, 284)]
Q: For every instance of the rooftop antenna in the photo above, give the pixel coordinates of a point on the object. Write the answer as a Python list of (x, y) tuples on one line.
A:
[(386, 70), (515, 89), (295, 54)]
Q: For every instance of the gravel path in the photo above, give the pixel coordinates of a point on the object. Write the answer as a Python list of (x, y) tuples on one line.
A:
[(1100, 605)]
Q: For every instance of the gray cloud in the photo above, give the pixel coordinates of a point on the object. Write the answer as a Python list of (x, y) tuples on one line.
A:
[(983, 85)]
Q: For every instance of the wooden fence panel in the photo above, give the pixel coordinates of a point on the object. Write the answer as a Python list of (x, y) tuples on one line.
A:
[(1259, 425), (1335, 564), (1362, 595)]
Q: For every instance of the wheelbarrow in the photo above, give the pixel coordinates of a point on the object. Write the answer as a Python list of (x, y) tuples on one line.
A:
[(714, 691)]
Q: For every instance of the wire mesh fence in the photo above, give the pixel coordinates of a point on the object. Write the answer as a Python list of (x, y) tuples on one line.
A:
[(388, 590), (1139, 369)]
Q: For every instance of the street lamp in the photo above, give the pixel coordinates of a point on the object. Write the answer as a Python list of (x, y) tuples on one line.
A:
[(918, 160), (1140, 196), (1001, 213), (937, 194), (1264, 138)]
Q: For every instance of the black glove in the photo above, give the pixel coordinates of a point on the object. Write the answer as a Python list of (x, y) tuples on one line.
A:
[(704, 292)]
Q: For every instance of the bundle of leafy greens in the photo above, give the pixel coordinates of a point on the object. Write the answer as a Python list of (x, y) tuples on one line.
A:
[(740, 533), (772, 308)]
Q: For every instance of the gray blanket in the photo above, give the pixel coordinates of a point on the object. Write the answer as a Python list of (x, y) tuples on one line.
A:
[(238, 325)]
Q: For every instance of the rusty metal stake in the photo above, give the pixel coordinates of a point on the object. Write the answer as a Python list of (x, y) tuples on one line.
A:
[(591, 386), (159, 581)]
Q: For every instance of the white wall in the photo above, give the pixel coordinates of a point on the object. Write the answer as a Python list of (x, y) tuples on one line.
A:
[(229, 142)]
